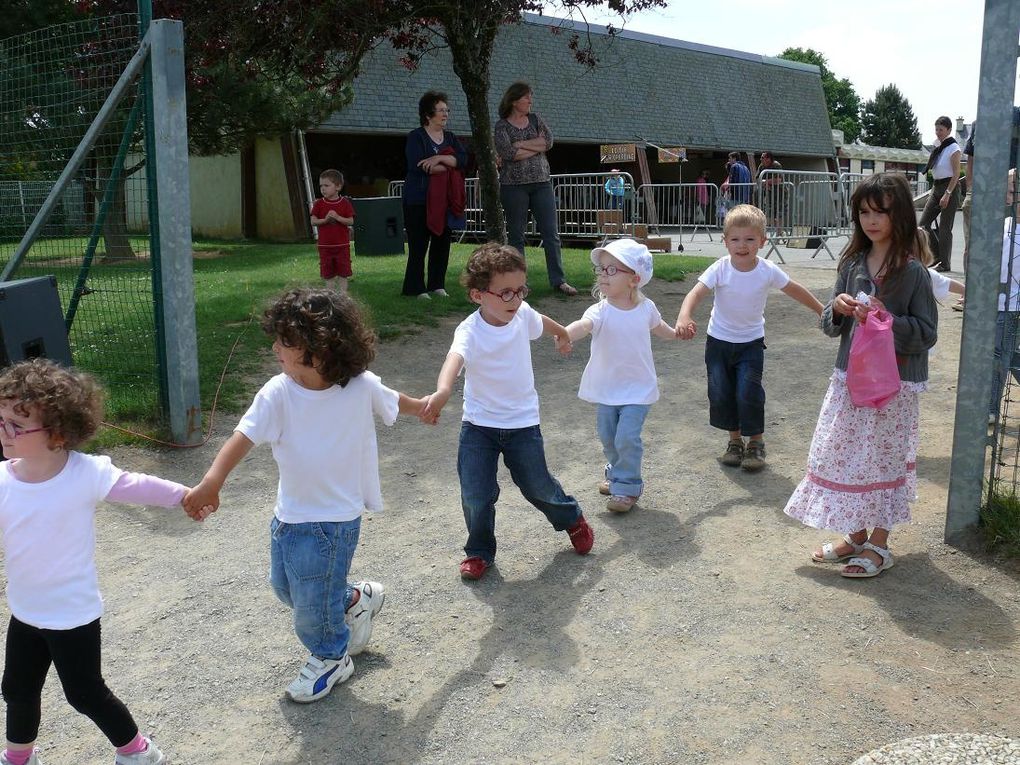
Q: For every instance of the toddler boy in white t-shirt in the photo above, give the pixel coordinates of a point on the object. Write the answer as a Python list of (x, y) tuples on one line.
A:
[(318, 418), (493, 347), (735, 343)]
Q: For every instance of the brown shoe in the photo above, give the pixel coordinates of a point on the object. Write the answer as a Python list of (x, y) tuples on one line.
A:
[(619, 503), (754, 456), (734, 454)]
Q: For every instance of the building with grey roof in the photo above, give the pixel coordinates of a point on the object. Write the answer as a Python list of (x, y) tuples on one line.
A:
[(645, 87), (670, 93)]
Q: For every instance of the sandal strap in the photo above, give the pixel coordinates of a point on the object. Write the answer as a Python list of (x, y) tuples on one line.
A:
[(866, 563), (853, 544), (883, 552)]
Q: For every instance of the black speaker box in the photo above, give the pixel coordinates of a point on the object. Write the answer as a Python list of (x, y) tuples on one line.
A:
[(31, 321)]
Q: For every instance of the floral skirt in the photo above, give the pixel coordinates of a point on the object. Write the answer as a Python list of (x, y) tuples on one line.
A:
[(861, 469)]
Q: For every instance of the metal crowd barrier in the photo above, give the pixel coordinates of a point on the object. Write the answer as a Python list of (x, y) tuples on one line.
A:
[(684, 205), (803, 208), (584, 208)]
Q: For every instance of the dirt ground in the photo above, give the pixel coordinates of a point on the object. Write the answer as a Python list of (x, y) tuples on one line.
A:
[(697, 631)]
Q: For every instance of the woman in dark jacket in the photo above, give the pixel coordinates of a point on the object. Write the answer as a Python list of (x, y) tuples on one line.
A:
[(430, 150)]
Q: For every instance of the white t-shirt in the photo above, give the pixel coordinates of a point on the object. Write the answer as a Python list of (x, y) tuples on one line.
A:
[(943, 167), (324, 444), (499, 383), (621, 369), (940, 284), (50, 542), (1010, 278), (738, 313)]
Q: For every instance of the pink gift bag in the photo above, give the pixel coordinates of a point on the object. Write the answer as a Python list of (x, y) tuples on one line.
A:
[(872, 376)]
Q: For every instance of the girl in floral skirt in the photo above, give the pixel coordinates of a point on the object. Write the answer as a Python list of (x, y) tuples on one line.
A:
[(861, 465)]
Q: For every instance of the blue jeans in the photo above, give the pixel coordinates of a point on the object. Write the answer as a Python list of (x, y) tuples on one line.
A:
[(308, 567), (517, 199), (1005, 356), (524, 455), (619, 430), (736, 396)]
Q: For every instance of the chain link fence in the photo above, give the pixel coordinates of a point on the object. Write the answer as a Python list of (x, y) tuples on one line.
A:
[(53, 83)]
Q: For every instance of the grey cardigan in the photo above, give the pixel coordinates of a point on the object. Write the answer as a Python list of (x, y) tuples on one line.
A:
[(912, 305)]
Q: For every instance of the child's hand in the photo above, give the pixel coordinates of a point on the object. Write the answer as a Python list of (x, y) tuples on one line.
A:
[(861, 310), (686, 328), (433, 406), (201, 501), (844, 304), (418, 406), (563, 344)]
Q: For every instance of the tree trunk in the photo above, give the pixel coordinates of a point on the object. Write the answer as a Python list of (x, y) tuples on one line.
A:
[(471, 41), (114, 226), (118, 246)]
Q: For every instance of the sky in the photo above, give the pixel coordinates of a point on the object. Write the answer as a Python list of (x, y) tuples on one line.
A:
[(931, 51)]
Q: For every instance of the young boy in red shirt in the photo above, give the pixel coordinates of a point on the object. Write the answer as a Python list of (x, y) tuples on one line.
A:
[(333, 215)]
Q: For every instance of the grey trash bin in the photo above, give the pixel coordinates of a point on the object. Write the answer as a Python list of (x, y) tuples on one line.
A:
[(378, 226)]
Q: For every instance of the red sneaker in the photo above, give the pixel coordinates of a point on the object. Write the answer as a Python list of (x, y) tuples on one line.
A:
[(473, 568), (581, 536)]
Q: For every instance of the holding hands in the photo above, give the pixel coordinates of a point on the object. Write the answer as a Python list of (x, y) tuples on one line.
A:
[(563, 344), (201, 501), (685, 328), (433, 406)]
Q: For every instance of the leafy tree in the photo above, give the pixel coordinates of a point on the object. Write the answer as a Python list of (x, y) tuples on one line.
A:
[(889, 120), (20, 16), (841, 99), (469, 30)]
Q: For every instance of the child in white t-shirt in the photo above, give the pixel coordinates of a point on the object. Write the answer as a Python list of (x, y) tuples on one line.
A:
[(317, 415), (48, 498), (735, 343), (620, 376), (493, 346)]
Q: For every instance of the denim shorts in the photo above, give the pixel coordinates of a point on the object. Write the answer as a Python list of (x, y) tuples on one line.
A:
[(736, 396)]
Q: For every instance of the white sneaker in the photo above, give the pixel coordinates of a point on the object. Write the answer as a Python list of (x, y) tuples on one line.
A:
[(33, 760), (151, 756), (424, 296), (317, 678), (440, 293), (359, 616)]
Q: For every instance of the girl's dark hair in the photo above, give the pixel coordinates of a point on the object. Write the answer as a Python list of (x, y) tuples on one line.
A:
[(888, 193), (518, 90), (69, 403), (488, 260), (427, 105), (945, 122), (328, 326)]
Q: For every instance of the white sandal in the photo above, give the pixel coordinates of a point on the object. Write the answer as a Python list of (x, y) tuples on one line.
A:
[(870, 567), (829, 551)]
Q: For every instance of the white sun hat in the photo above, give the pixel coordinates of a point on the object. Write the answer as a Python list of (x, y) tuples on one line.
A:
[(632, 254)]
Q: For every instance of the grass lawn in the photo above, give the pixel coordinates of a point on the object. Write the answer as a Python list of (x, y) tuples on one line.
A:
[(236, 280)]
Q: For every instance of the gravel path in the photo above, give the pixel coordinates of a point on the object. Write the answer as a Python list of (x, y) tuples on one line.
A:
[(697, 631)]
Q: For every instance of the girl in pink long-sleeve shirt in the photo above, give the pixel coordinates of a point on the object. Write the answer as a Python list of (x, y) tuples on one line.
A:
[(48, 498)]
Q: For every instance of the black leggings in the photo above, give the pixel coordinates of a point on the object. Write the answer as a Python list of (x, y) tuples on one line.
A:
[(76, 655)]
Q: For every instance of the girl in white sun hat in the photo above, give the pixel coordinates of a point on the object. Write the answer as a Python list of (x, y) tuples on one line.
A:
[(620, 376)]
